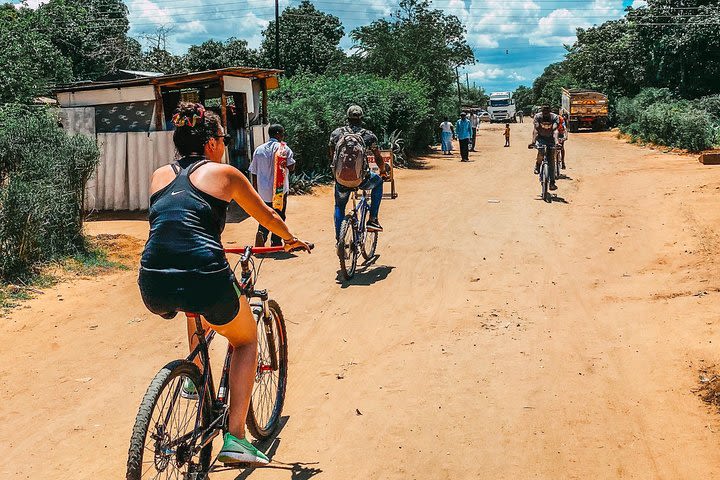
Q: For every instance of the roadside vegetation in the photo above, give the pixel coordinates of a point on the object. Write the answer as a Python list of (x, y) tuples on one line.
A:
[(659, 65), (401, 71)]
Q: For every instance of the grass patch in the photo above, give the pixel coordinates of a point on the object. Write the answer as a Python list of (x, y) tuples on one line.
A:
[(103, 254), (92, 262)]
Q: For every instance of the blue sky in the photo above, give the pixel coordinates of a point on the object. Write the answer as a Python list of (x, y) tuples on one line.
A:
[(513, 40)]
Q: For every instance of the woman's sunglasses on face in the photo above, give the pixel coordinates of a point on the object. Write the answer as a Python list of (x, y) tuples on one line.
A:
[(226, 139)]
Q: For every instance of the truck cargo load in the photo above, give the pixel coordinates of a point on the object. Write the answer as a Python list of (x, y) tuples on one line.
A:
[(585, 109)]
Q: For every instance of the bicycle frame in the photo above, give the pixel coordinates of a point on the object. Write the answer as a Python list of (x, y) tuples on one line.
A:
[(359, 214), (206, 392)]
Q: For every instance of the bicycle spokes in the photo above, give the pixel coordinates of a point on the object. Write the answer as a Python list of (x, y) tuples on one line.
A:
[(169, 437), (267, 374)]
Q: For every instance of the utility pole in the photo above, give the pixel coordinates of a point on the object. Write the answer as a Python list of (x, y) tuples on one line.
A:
[(277, 34), (457, 76)]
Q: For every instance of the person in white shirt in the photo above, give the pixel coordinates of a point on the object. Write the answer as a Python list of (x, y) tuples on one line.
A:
[(475, 124), (447, 133), (261, 171)]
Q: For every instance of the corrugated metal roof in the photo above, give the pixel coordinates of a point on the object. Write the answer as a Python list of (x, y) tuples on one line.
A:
[(176, 79)]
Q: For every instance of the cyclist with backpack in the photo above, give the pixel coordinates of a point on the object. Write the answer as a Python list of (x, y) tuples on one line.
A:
[(348, 150)]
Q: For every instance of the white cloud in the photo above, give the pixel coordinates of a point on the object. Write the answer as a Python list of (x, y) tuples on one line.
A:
[(147, 12), (639, 3), (34, 4), (484, 72)]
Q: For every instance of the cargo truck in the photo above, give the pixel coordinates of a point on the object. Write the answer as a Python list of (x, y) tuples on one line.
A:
[(501, 107), (585, 109)]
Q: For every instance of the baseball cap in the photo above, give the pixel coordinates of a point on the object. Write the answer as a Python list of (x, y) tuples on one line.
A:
[(355, 112)]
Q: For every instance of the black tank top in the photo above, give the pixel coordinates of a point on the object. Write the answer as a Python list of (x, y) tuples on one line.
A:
[(185, 225)]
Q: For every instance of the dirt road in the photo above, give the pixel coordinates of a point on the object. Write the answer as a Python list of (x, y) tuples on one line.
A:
[(496, 337)]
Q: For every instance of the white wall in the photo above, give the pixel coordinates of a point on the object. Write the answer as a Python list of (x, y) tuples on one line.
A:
[(106, 96)]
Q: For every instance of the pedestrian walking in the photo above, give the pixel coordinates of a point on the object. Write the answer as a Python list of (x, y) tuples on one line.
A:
[(447, 133), (475, 124), (463, 130), (507, 134), (270, 170), (520, 116)]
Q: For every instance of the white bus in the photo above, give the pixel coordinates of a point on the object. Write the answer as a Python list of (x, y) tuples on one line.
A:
[(501, 107)]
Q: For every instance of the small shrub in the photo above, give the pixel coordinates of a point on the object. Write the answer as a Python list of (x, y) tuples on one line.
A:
[(43, 172), (656, 116), (311, 107)]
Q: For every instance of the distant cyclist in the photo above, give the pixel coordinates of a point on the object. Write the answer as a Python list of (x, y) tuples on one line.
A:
[(562, 135), (183, 266), (348, 148), (545, 134)]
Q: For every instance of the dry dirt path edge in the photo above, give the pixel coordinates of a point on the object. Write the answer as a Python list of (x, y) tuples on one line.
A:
[(496, 336)]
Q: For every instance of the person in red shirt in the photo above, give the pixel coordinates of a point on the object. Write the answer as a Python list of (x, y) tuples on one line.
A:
[(562, 134)]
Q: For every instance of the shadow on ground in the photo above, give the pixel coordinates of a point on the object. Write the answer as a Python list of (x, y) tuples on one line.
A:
[(298, 470), (367, 274)]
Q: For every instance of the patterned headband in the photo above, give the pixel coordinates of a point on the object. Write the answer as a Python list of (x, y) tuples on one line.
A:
[(183, 120)]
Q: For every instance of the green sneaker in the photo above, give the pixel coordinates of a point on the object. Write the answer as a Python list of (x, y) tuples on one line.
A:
[(188, 390), (239, 450)]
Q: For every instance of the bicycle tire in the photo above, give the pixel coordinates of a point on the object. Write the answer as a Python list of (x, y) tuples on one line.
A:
[(177, 369), (557, 165), (259, 428), (347, 253), (545, 182), (369, 245)]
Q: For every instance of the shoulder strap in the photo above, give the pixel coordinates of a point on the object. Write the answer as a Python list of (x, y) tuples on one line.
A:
[(176, 167), (197, 165)]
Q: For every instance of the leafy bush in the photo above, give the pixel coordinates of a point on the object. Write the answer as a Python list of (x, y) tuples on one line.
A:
[(43, 172), (656, 116), (710, 104), (311, 107)]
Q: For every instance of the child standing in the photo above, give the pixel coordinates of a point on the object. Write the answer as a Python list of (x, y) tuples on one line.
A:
[(507, 134)]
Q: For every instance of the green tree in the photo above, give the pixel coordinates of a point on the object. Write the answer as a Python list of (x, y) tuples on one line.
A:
[(547, 88), (309, 40), (213, 54), (91, 33), (417, 40), (524, 99), (610, 58), (682, 41), (473, 96), (29, 62)]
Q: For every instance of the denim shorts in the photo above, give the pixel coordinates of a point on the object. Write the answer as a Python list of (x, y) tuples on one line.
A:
[(214, 295)]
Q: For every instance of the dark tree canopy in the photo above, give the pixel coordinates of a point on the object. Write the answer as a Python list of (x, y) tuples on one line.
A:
[(309, 40), (29, 62), (212, 54)]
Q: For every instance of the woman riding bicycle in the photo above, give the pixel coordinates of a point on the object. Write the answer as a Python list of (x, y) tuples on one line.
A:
[(183, 266)]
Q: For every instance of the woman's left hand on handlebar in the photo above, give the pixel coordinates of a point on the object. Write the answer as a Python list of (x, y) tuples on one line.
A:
[(295, 245)]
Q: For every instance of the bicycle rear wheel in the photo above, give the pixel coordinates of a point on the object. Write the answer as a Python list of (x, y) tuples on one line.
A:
[(163, 440), (268, 395), (347, 251), (369, 245)]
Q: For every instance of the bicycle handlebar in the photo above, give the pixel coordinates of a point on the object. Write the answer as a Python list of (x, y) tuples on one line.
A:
[(260, 250)]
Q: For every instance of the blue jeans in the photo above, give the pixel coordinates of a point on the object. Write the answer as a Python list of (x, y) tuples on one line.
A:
[(373, 182)]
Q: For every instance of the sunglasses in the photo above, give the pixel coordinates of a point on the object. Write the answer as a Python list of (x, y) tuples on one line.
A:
[(227, 139)]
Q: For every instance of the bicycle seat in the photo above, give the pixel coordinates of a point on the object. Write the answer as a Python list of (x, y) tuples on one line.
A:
[(171, 315)]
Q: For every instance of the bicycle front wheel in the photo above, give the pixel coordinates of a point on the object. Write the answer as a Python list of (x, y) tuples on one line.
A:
[(545, 182), (347, 251), (268, 396), (164, 439)]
